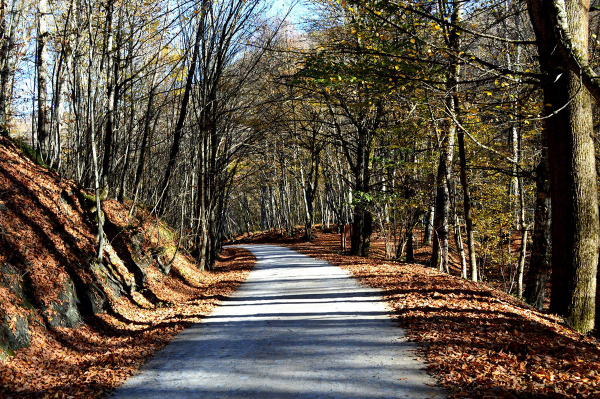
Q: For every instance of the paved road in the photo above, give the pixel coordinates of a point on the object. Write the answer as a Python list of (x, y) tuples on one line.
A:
[(297, 328)]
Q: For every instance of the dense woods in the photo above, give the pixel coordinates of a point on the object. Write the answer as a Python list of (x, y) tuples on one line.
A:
[(465, 125)]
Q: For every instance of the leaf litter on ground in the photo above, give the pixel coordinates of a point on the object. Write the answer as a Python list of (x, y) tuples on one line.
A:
[(476, 340), (89, 361)]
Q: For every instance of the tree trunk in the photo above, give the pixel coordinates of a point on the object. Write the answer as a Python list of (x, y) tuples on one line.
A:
[(7, 61), (362, 226), (460, 247), (3, 60), (410, 247), (472, 263), (439, 256), (453, 82), (522, 254), (569, 131), (429, 226), (59, 89), (112, 97), (56, 114), (182, 115), (540, 263), (43, 126), (127, 155), (264, 217), (308, 223)]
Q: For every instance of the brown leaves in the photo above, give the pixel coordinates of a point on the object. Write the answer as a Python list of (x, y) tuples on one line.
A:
[(44, 236), (87, 362), (479, 342)]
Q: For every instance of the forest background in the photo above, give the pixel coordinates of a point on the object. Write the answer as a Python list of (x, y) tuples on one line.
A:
[(471, 123)]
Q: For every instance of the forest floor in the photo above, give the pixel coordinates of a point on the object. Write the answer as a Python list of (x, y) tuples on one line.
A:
[(478, 341), (95, 358), (297, 328), (47, 239)]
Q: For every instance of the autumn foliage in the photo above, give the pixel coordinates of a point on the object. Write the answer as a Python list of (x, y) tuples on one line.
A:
[(48, 239), (478, 341)]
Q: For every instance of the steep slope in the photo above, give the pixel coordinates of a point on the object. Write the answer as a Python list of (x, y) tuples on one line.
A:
[(70, 325)]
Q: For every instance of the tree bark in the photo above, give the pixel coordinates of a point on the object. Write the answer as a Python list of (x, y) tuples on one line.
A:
[(540, 263), (43, 126), (112, 66), (439, 256), (454, 80), (472, 262), (524, 236), (4, 46), (569, 132), (7, 60), (429, 226), (460, 247), (362, 226), (410, 247)]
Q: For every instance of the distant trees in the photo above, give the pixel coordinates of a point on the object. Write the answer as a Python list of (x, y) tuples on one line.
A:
[(146, 101), (473, 75), (472, 121)]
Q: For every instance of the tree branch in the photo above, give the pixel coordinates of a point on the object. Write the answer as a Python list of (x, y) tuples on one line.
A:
[(575, 59)]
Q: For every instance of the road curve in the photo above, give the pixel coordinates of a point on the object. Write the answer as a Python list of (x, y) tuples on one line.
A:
[(297, 328)]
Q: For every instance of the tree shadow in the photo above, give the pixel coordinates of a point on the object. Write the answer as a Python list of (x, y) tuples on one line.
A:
[(479, 343)]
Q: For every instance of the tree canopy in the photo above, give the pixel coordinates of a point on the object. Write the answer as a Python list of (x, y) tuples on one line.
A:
[(466, 129)]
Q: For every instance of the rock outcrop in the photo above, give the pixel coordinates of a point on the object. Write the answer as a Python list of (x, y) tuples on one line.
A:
[(49, 271)]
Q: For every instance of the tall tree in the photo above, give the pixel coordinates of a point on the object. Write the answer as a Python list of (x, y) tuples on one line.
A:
[(43, 35), (540, 265), (9, 23), (569, 131), (183, 109), (439, 255)]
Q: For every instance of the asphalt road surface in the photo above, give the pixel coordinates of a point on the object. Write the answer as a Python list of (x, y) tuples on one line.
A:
[(297, 328)]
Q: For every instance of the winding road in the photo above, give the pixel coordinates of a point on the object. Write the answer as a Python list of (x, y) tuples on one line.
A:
[(297, 328)]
